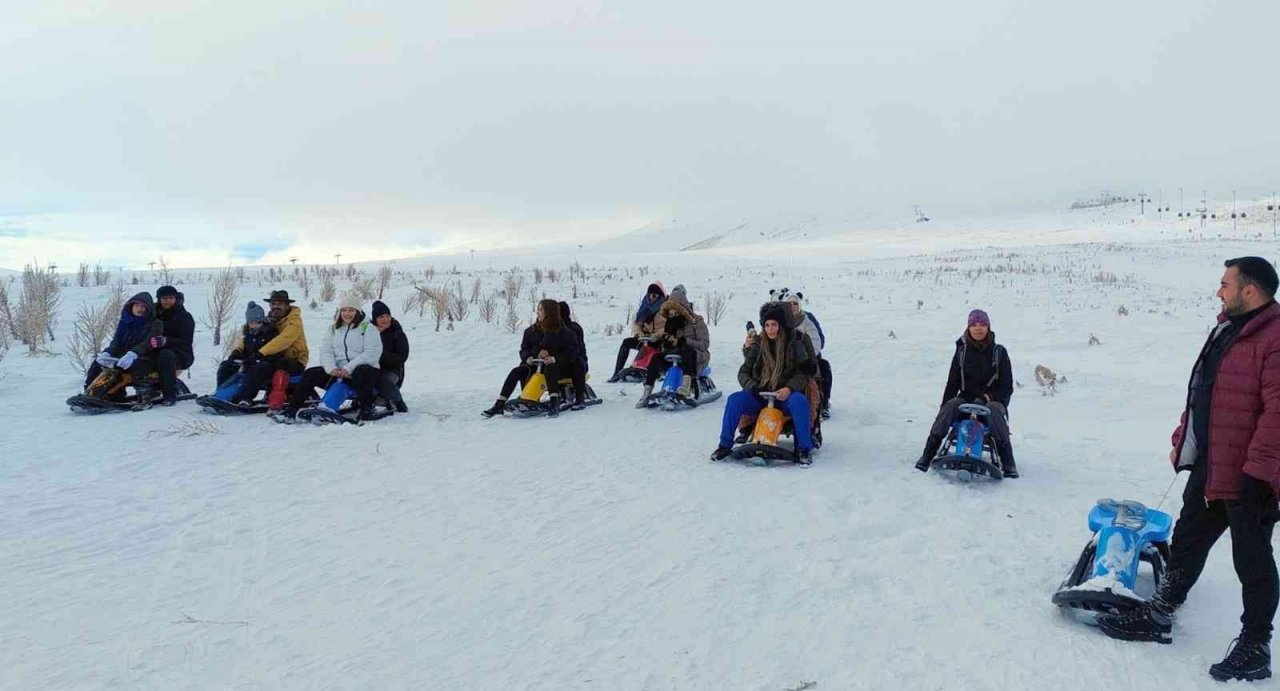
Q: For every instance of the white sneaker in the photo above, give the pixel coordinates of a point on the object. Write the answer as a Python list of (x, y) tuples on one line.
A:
[(644, 398)]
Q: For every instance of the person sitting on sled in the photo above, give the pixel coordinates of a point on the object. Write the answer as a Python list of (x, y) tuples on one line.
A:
[(642, 325), (130, 346), (521, 372), (808, 324), (980, 373), (395, 352), (255, 333), (566, 316), (778, 361), (172, 350), (547, 338), (351, 351), (286, 351), (681, 332)]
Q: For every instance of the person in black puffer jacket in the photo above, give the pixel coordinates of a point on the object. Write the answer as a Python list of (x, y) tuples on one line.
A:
[(547, 338), (566, 316), (980, 373), (395, 351), (173, 348)]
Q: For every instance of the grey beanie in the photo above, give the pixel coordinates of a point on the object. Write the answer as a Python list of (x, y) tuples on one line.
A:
[(254, 313), (679, 295)]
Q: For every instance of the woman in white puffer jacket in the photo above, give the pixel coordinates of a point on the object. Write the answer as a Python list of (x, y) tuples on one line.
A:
[(350, 351)]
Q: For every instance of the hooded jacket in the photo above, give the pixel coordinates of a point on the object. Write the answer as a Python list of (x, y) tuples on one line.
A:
[(395, 349), (980, 372), (179, 330), (648, 310), (134, 333), (350, 345), (694, 332), (290, 340), (797, 361)]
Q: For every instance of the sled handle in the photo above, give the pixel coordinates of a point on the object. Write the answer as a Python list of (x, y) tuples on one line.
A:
[(769, 396), (673, 358), (975, 409)]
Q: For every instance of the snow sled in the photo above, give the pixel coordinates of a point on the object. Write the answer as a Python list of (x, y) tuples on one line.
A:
[(968, 450), (639, 369), (113, 392), (668, 395), (1104, 579), (762, 446), (531, 402), (337, 406), (219, 402)]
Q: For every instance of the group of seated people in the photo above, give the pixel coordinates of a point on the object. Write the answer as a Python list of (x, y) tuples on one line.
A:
[(369, 354)]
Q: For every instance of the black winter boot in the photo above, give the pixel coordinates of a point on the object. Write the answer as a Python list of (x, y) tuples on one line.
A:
[(931, 446), (1007, 465), (1247, 661), (496, 409), (1144, 623), (553, 406)]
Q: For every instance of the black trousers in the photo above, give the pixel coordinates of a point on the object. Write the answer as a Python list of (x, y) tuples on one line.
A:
[(575, 371), (165, 363), (516, 377), (997, 424), (624, 352), (389, 386), (659, 364), (1199, 526), (363, 379), (258, 375), (824, 368)]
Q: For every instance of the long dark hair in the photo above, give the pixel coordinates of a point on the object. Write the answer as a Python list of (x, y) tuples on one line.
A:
[(551, 320)]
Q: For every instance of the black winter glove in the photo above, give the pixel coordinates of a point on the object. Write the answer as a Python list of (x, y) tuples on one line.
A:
[(1259, 500)]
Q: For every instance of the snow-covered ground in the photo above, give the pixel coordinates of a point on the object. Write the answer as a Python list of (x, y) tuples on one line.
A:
[(601, 550)]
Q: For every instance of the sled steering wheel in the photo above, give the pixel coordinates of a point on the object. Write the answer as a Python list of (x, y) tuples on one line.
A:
[(975, 409)]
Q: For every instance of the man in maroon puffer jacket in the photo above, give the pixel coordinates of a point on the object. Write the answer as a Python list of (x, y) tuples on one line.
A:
[(1229, 439)]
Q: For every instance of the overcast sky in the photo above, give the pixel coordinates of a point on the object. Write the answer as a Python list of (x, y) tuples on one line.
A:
[(224, 129)]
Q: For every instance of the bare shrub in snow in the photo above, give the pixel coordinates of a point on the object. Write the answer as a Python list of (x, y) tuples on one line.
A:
[(459, 306), (101, 277), (166, 276), (82, 275), (537, 275), (91, 330), (713, 306), (364, 287), (512, 322), (222, 300), (438, 299), (328, 288), (512, 284), (1123, 311), (384, 279), (38, 305), (410, 303), (304, 281), (475, 291), (7, 321), (488, 308), (1093, 340)]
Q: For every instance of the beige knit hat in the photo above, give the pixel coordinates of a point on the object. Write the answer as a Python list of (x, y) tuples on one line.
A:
[(349, 300)]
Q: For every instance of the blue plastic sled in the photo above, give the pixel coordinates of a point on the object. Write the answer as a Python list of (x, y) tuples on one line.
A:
[(1105, 578), (668, 397), (968, 451)]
